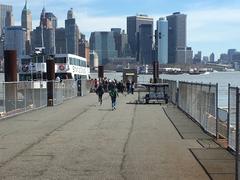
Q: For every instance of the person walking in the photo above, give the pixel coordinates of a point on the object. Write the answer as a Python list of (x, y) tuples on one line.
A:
[(113, 94), (100, 92), (128, 86), (132, 87)]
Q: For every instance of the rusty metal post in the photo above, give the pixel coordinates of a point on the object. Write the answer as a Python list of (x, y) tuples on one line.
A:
[(10, 74), (10, 65), (100, 72), (155, 71), (50, 80)]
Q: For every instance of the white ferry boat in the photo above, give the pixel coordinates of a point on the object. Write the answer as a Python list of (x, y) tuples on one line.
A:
[(67, 66)]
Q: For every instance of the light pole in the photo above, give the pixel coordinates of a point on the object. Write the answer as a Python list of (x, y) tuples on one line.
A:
[(2, 40)]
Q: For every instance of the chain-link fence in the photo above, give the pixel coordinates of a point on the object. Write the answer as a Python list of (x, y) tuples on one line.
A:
[(232, 109), (223, 123), (233, 127), (18, 97), (200, 102), (23, 96)]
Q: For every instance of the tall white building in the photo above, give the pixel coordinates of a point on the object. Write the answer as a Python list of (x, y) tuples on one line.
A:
[(15, 38), (162, 30)]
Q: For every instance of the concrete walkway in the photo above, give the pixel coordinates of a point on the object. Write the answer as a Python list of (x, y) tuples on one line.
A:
[(82, 140)]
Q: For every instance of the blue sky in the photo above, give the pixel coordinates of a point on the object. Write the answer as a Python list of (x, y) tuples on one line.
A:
[(213, 25)]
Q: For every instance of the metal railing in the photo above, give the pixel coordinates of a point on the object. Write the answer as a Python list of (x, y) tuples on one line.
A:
[(232, 109), (200, 102), (23, 96), (233, 127), (172, 90), (18, 97)]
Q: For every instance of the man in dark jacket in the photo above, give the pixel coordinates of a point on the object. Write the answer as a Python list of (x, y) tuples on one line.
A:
[(113, 94), (100, 92)]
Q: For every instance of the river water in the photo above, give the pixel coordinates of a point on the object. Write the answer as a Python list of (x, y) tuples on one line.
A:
[(222, 78)]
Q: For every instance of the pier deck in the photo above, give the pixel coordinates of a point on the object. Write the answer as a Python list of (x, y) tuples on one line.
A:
[(83, 140)]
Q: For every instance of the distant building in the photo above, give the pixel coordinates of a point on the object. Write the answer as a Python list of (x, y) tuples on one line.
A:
[(236, 57), (125, 49), (15, 38), (177, 38), (3, 13), (145, 43), (44, 35), (184, 56), (230, 54), (26, 22), (162, 41), (72, 34), (133, 25), (9, 19), (118, 40), (212, 58), (197, 58), (103, 43), (60, 41), (205, 59), (52, 18), (224, 58)]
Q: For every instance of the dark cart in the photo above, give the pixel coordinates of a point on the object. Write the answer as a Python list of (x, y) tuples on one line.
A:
[(155, 92)]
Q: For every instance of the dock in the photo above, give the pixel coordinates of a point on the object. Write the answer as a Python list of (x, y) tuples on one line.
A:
[(81, 139)]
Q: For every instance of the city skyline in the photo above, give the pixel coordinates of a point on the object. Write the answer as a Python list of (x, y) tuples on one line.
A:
[(212, 25)]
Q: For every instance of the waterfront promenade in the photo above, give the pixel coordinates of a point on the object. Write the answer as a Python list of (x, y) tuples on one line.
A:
[(81, 140)]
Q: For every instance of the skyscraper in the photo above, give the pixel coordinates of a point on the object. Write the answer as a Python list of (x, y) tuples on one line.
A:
[(177, 38), (103, 44), (3, 13), (212, 58), (82, 46), (44, 35), (125, 50), (230, 54), (9, 19), (145, 43), (60, 40), (72, 33), (162, 41), (15, 38), (133, 24), (118, 39), (197, 58), (51, 17), (26, 21)]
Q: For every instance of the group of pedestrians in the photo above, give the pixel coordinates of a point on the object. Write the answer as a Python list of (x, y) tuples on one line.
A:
[(113, 88)]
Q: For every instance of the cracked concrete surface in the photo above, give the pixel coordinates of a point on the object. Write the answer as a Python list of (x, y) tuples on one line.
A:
[(82, 140)]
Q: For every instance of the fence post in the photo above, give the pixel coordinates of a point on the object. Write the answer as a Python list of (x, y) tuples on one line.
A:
[(216, 110), (237, 134), (228, 115)]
